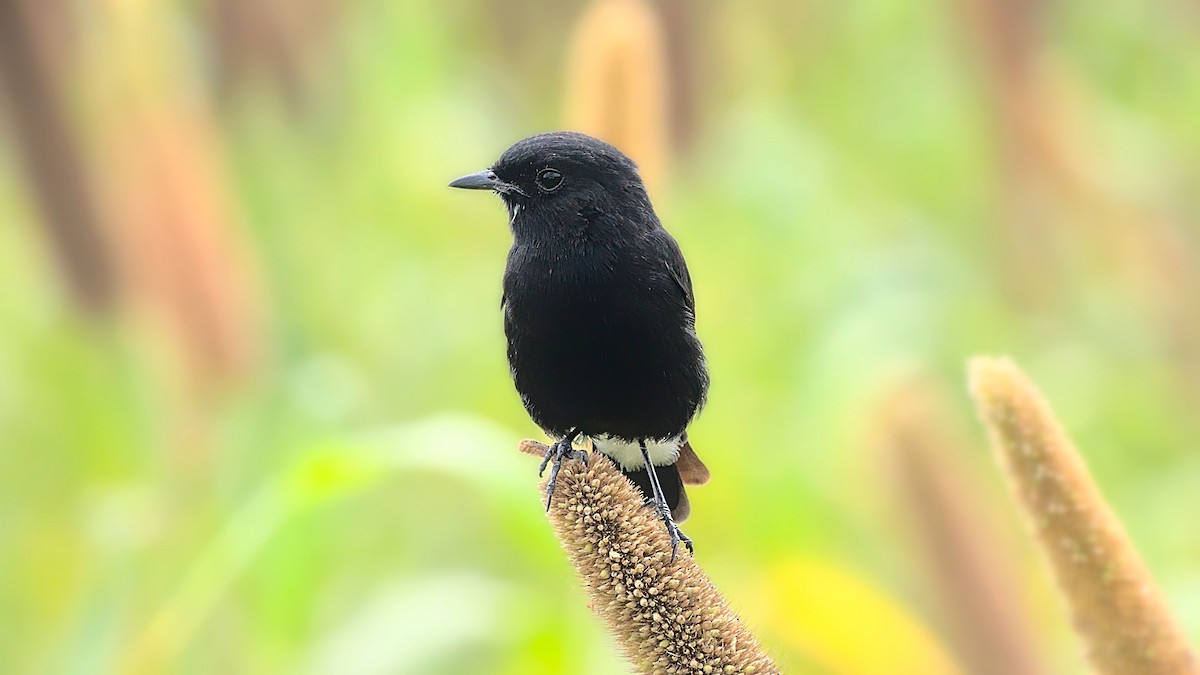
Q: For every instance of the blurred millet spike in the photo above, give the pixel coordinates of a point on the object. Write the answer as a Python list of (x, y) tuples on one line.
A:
[(666, 617), (1114, 604), (617, 84), (33, 86), (967, 557)]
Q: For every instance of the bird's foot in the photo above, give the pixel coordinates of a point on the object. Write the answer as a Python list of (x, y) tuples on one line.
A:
[(557, 453), (664, 512)]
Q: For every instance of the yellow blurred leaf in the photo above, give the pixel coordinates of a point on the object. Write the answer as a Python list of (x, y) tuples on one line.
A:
[(845, 624)]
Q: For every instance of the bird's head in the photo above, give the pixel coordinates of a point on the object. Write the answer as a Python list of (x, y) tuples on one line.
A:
[(562, 181)]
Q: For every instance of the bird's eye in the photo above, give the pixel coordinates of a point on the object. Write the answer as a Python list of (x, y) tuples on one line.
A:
[(548, 180)]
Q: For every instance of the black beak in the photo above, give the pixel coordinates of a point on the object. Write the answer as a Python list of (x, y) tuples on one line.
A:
[(484, 180)]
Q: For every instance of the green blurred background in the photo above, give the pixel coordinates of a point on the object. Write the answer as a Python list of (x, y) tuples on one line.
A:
[(255, 414)]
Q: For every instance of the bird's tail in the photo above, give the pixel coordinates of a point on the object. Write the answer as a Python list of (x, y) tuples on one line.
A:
[(691, 469)]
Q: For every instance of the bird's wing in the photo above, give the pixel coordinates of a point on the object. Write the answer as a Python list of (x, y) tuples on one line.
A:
[(691, 469), (684, 280), (678, 269)]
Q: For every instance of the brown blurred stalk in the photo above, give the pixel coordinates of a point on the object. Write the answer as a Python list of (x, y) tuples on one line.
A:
[(133, 196), (1005, 37), (1113, 601), (51, 155), (1053, 172), (969, 566), (667, 617), (684, 24), (185, 263), (170, 215), (270, 42), (617, 86)]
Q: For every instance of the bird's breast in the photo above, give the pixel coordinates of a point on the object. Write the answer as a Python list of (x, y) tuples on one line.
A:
[(602, 347)]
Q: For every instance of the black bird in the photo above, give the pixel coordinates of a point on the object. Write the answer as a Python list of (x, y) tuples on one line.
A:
[(599, 315)]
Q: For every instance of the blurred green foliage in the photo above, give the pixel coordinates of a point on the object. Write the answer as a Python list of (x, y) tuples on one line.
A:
[(357, 505)]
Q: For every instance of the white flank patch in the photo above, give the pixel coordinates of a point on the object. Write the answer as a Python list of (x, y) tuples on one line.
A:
[(629, 455)]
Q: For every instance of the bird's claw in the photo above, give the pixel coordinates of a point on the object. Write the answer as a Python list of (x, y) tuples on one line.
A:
[(677, 536), (557, 453)]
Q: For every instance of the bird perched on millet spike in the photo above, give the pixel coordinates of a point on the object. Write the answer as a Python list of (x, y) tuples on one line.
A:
[(599, 315)]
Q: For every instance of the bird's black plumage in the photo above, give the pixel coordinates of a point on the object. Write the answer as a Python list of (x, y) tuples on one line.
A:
[(598, 305)]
